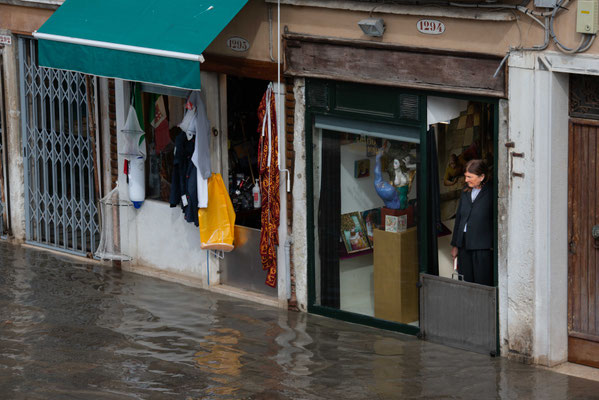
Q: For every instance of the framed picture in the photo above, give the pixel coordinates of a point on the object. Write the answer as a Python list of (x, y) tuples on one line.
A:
[(396, 223), (372, 146), (391, 223), (353, 233), (372, 221), (362, 168)]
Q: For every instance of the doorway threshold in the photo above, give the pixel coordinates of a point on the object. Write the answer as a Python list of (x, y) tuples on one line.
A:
[(577, 370), (246, 295)]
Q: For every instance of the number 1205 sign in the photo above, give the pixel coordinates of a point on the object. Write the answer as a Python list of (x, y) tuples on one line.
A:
[(430, 27)]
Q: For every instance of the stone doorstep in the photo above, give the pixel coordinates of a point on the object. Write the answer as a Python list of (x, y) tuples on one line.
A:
[(196, 282), (577, 370)]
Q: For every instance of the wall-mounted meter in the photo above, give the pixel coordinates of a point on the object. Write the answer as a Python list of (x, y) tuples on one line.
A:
[(586, 16)]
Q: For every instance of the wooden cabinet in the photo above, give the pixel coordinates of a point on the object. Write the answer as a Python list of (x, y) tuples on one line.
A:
[(396, 275)]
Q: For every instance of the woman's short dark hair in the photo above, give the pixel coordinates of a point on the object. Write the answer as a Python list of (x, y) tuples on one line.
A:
[(478, 167)]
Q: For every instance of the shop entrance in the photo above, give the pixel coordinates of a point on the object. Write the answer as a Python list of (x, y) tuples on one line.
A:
[(242, 268), (385, 175), (459, 307)]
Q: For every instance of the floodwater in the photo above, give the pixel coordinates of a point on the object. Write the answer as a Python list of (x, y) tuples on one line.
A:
[(76, 330)]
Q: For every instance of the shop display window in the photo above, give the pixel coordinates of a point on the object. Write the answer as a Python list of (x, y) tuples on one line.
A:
[(159, 116), (365, 210)]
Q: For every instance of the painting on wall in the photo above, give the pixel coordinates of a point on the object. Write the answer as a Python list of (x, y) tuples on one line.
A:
[(362, 168), (353, 233)]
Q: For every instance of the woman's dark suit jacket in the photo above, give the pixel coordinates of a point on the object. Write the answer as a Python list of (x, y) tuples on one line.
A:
[(479, 216)]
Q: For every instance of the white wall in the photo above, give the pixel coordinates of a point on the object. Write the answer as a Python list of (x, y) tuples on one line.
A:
[(518, 318), (300, 238), (535, 314), (357, 194), (12, 105), (443, 109)]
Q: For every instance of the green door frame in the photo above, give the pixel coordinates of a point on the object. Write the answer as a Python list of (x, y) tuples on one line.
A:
[(326, 106)]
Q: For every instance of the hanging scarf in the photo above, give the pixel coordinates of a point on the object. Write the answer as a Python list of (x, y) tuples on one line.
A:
[(268, 166)]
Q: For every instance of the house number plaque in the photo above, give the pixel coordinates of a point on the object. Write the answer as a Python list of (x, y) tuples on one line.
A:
[(237, 43), (430, 26)]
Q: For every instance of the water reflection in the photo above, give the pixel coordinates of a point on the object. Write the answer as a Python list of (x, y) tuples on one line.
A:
[(292, 355), (77, 330), (222, 358)]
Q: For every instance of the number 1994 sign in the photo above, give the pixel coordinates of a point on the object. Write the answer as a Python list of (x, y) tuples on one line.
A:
[(430, 27)]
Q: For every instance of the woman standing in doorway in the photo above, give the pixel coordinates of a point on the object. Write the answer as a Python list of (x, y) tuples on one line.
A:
[(472, 239)]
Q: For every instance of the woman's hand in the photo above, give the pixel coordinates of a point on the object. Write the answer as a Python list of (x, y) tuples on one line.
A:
[(454, 252)]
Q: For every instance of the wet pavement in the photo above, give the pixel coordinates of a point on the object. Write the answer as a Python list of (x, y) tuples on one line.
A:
[(75, 330)]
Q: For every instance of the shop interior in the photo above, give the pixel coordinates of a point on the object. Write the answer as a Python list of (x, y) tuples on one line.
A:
[(366, 249), (242, 268), (243, 99), (466, 135)]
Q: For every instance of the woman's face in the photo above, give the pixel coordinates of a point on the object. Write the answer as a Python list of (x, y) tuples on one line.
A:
[(474, 180), (396, 163)]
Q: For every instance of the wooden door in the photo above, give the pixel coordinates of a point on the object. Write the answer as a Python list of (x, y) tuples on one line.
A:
[(583, 247)]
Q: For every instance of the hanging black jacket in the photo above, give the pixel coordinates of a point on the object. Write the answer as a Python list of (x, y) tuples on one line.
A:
[(184, 179), (479, 216)]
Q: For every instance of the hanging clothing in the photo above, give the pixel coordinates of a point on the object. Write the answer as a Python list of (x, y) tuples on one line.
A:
[(184, 179), (195, 123), (268, 167), (201, 154)]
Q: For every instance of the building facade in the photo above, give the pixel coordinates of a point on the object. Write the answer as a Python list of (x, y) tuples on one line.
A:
[(440, 85)]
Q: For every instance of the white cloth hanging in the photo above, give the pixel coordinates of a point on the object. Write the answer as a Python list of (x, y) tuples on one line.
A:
[(266, 124), (195, 122)]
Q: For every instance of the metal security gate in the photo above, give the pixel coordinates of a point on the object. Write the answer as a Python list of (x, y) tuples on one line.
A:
[(60, 207), (459, 314)]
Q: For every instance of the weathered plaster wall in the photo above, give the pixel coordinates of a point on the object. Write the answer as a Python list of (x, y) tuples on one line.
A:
[(13, 136), (503, 185), (521, 211), (462, 25), (23, 20), (534, 304), (300, 237), (252, 24), (551, 218)]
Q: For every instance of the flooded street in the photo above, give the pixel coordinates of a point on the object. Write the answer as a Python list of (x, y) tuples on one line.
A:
[(74, 330)]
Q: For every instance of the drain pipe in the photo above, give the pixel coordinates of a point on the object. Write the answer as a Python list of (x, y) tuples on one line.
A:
[(288, 244), (270, 33), (280, 96)]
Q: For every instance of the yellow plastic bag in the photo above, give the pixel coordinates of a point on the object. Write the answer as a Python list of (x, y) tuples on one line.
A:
[(217, 221)]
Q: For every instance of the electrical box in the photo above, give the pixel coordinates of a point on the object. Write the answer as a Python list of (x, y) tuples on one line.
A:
[(586, 16), (545, 3)]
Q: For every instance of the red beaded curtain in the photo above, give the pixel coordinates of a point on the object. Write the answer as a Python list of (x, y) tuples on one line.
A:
[(269, 185)]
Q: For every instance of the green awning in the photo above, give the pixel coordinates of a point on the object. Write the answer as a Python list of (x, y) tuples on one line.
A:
[(153, 41)]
